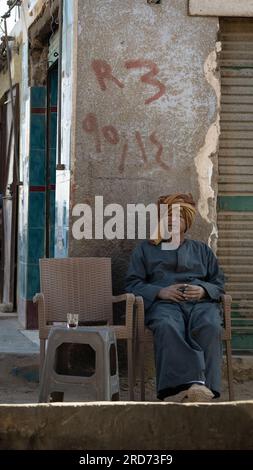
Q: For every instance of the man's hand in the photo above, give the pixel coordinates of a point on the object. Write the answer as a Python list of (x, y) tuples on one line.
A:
[(182, 292), (172, 293), (194, 293)]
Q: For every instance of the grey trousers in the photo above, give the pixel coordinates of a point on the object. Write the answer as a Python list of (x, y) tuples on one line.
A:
[(188, 348)]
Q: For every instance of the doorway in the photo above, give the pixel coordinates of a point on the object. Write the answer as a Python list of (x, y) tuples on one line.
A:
[(9, 206), (52, 93)]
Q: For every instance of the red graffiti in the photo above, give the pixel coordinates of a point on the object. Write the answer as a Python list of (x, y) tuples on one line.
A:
[(140, 143), (158, 156), (148, 77), (111, 135), (90, 125), (123, 158), (103, 71)]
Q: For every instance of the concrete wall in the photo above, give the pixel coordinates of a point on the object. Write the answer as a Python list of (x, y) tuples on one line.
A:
[(100, 426), (221, 7), (16, 75), (19, 31), (161, 98)]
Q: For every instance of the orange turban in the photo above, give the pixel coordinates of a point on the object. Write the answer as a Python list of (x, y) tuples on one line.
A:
[(187, 209)]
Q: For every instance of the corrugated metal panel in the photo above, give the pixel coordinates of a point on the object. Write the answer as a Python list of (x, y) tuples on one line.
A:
[(235, 245), (236, 140)]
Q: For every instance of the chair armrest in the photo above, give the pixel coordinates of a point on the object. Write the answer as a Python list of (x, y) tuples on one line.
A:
[(129, 318), (226, 306), (39, 299), (140, 317), (123, 297)]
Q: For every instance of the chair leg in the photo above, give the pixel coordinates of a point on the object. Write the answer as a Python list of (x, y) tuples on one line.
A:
[(42, 356), (130, 369), (135, 361), (139, 372), (230, 370), (142, 369)]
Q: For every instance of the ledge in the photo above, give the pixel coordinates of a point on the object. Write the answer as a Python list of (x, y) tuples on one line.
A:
[(125, 425), (221, 8)]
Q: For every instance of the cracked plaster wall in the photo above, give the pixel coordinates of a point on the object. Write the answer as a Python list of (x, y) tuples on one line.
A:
[(204, 160), (160, 144)]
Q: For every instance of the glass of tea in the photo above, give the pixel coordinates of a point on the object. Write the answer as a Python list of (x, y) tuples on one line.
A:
[(72, 320)]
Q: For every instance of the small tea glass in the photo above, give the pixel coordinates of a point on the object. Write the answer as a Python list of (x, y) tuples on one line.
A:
[(72, 320)]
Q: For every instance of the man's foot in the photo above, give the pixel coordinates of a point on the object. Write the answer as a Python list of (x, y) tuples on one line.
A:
[(178, 398), (197, 393)]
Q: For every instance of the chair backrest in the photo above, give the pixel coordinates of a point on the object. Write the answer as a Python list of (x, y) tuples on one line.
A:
[(77, 285)]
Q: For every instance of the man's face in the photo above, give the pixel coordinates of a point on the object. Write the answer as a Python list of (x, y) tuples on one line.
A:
[(182, 224)]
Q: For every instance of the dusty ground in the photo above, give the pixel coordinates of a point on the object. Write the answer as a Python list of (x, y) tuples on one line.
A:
[(19, 360), (19, 390)]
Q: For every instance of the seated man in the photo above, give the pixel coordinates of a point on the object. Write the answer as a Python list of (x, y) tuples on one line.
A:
[(181, 289)]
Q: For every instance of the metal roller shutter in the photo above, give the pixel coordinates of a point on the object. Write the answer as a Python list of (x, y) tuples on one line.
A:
[(235, 201)]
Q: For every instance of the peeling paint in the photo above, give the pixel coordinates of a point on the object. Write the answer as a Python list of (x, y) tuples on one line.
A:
[(203, 162)]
